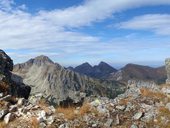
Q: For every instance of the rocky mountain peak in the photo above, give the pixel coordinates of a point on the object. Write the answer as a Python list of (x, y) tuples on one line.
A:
[(43, 59), (39, 60), (86, 64), (100, 71), (105, 66), (102, 63), (84, 68)]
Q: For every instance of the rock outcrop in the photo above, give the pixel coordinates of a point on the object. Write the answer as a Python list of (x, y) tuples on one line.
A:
[(6, 65), (58, 84), (167, 64), (7, 86)]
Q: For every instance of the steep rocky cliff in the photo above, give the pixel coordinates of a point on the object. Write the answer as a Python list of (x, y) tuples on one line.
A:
[(7, 86), (59, 84)]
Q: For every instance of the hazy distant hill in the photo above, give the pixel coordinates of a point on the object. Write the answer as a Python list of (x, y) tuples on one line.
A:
[(134, 71), (58, 84)]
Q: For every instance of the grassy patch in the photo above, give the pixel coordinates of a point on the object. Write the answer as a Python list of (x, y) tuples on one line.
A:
[(149, 93)]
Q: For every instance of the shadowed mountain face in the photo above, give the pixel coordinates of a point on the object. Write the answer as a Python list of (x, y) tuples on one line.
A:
[(133, 71), (84, 68), (58, 84), (101, 71)]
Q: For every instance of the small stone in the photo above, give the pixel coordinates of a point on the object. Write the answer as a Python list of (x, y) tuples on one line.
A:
[(113, 110), (102, 109), (1, 95), (168, 106), (138, 115), (117, 120), (121, 107), (21, 101), (42, 125), (13, 108), (41, 116), (76, 112), (9, 117), (63, 126), (133, 126), (78, 108), (50, 120), (108, 123), (111, 104), (51, 110), (94, 125), (3, 113)]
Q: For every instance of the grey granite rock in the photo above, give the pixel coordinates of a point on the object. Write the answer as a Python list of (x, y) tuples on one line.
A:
[(167, 64), (108, 123), (138, 115), (3, 113)]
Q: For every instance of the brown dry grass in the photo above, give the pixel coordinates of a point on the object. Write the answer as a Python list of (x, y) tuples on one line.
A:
[(164, 86), (69, 113), (2, 103), (162, 120), (149, 93), (3, 125), (125, 101), (4, 87), (86, 108), (34, 122), (44, 105)]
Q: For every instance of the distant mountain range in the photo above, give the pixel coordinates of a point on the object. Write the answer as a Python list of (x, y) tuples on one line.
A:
[(100, 71), (139, 72), (130, 71), (58, 84)]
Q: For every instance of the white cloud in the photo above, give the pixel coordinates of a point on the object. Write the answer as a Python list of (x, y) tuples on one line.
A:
[(6, 5), (94, 10), (45, 32), (158, 23)]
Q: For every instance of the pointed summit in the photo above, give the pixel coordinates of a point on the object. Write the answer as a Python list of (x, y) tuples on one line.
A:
[(43, 58), (84, 68), (40, 60), (104, 67)]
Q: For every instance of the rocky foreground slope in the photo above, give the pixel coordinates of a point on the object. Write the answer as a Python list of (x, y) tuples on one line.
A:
[(138, 107), (58, 84)]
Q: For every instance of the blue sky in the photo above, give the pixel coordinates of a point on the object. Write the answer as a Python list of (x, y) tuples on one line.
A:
[(71, 32)]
